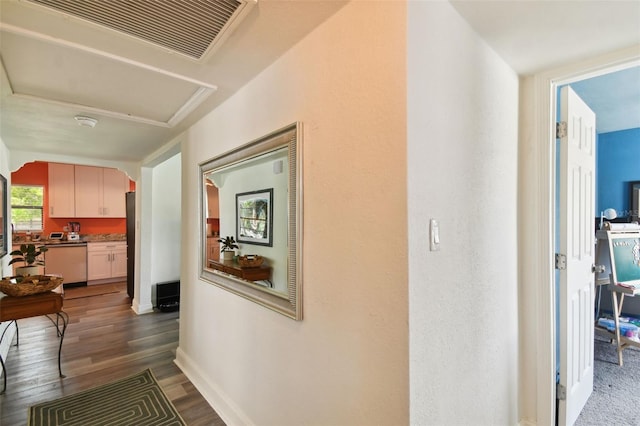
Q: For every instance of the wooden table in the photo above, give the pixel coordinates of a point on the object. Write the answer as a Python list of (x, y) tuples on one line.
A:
[(14, 308), (258, 273)]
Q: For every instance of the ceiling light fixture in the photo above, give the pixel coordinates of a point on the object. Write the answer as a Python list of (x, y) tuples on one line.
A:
[(85, 121)]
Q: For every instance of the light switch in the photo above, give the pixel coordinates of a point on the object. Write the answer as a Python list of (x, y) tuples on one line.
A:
[(434, 234)]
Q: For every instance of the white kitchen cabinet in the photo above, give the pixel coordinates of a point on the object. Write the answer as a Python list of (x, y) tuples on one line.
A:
[(106, 260), (119, 261), (115, 185), (61, 190), (88, 191), (100, 192)]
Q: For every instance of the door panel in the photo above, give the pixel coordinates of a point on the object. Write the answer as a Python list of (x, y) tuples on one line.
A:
[(88, 191), (576, 296), (98, 265), (115, 186)]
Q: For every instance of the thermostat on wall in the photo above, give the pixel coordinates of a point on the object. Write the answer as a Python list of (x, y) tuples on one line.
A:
[(56, 235)]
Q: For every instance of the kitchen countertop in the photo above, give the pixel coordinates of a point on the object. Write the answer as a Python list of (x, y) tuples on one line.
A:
[(88, 238), (61, 242)]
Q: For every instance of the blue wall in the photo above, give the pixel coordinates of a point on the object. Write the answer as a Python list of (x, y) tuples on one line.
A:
[(618, 163)]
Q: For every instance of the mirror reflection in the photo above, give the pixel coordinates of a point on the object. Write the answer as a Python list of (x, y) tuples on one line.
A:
[(248, 201), (251, 218)]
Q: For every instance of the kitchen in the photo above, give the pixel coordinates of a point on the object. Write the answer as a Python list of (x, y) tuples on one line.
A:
[(83, 221)]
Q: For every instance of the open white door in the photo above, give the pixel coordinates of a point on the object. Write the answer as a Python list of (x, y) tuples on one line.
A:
[(577, 204)]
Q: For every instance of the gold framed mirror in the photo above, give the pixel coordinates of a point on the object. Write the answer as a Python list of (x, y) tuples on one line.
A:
[(4, 219), (251, 221)]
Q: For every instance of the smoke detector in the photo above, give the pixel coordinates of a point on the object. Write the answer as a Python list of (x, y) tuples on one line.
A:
[(85, 121)]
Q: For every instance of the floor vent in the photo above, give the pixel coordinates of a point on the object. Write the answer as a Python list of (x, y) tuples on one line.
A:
[(192, 28), (168, 296)]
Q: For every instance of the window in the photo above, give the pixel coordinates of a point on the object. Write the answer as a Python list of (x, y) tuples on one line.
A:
[(26, 207)]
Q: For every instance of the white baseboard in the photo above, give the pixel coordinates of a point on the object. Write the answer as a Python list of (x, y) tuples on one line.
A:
[(141, 309), (221, 402)]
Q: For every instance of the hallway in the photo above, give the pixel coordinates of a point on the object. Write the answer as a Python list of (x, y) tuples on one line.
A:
[(105, 341)]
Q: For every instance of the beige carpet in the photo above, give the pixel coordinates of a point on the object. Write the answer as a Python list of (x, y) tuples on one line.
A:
[(616, 389), (94, 290)]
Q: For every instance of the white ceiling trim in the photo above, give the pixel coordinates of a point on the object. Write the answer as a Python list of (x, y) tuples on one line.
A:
[(192, 103), (598, 71), (90, 109), (87, 49), (4, 72), (198, 97)]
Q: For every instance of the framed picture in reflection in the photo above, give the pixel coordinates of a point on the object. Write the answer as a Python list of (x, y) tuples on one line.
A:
[(254, 217)]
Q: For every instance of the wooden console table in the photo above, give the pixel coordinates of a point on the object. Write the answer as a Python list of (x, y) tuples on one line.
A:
[(258, 273), (14, 308)]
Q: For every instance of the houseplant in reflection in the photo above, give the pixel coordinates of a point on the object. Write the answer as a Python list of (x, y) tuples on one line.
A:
[(227, 246), (29, 254)]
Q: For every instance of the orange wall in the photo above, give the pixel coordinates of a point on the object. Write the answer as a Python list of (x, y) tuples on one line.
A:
[(37, 173)]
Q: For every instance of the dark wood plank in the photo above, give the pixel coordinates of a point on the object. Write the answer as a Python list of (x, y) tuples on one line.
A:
[(105, 341), (13, 308)]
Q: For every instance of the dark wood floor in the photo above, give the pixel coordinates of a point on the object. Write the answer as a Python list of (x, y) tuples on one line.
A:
[(105, 341)]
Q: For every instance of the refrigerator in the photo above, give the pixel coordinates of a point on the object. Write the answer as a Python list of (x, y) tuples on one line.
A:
[(131, 241)]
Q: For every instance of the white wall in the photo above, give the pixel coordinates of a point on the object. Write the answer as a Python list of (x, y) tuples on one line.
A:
[(462, 171), (347, 361), (5, 269), (165, 224)]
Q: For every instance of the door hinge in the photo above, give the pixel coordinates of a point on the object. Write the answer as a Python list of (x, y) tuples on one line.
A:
[(561, 261), (561, 392), (561, 129)]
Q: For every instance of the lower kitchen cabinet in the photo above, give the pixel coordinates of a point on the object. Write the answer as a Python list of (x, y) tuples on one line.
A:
[(213, 248), (67, 260), (106, 261)]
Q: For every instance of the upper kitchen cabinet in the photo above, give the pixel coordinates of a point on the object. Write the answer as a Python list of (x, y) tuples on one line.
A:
[(61, 190), (100, 192)]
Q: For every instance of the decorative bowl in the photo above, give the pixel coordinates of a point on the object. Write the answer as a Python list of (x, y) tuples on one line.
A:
[(250, 261), (29, 285)]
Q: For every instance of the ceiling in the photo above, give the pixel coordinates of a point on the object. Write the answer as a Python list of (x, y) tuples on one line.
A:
[(614, 97), (56, 66), (533, 36)]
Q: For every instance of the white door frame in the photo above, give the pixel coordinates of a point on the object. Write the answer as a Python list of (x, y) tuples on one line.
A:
[(539, 260)]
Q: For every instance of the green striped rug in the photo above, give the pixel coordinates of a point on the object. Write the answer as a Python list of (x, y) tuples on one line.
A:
[(137, 400)]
